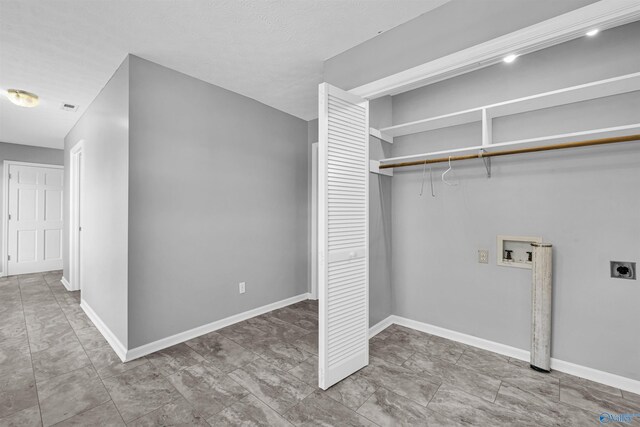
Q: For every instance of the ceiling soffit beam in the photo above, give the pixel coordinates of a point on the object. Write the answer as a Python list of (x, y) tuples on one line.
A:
[(603, 15)]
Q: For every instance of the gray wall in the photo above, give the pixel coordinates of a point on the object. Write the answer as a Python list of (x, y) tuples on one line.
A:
[(583, 201), (104, 127), (25, 153), (453, 26), (218, 195)]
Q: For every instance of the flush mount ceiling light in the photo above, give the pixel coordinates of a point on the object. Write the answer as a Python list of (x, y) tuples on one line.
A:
[(593, 32), (510, 58), (23, 98)]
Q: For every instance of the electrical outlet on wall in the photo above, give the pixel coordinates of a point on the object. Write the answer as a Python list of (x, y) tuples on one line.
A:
[(483, 256), (623, 270), (241, 287)]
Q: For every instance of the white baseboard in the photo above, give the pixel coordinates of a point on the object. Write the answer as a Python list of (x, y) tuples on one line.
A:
[(113, 341), (380, 326), (163, 343), (613, 380), (596, 375), (66, 284), (463, 338)]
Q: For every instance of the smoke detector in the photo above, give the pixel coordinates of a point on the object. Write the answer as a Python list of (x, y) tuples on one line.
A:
[(69, 107)]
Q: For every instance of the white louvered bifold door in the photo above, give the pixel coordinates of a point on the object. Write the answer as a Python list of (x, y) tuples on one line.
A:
[(343, 234)]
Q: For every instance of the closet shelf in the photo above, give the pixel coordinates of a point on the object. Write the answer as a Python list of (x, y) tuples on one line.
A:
[(598, 89), (612, 131), (487, 155), (437, 122)]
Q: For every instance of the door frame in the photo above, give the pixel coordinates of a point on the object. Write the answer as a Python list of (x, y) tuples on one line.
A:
[(5, 205), (75, 179)]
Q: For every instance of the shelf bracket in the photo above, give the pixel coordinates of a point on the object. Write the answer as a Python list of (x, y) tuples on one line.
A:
[(487, 163), (380, 135), (374, 167)]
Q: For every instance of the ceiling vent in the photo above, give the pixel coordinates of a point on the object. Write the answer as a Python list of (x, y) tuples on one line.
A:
[(69, 107)]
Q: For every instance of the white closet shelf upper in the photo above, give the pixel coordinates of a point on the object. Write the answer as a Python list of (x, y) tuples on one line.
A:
[(598, 89)]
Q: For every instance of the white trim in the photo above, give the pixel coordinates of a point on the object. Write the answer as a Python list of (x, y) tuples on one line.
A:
[(380, 326), (380, 135), (74, 208), (323, 136), (344, 95), (374, 167), (5, 205), (5, 221), (603, 14), (113, 341), (163, 343), (66, 284), (613, 380), (463, 338)]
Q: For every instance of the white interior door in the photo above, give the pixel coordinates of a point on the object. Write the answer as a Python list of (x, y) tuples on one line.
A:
[(343, 235), (35, 219)]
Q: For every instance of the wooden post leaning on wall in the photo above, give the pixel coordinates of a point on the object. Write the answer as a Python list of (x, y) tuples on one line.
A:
[(541, 290)]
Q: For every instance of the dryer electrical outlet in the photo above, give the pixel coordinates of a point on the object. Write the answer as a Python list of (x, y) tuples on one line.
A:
[(623, 270)]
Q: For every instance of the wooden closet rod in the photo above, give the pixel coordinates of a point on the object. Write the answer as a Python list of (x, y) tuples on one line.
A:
[(602, 141)]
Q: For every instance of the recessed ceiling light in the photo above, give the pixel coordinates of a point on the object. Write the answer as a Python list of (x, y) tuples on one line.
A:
[(510, 58), (23, 98), (593, 32)]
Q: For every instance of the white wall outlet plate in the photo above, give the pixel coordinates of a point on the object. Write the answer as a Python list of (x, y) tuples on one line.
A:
[(483, 256), (242, 287)]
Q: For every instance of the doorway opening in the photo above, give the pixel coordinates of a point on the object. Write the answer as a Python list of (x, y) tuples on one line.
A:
[(32, 217)]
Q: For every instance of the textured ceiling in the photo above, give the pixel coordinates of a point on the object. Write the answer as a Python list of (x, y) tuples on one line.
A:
[(269, 50)]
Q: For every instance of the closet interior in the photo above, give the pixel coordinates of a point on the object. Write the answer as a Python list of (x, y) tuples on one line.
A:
[(343, 193)]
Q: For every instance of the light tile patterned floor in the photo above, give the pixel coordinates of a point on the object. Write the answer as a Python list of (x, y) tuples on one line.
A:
[(56, 368)]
